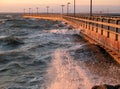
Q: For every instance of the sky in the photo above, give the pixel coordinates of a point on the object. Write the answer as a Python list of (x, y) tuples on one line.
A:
[(81, 5)]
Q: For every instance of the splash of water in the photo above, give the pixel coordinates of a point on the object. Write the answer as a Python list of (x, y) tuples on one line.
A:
[(64, 31), (65, 73)]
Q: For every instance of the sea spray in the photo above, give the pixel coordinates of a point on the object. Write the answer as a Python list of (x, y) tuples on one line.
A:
[(64, 73)]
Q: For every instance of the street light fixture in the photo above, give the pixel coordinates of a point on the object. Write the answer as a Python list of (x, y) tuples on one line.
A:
[(68, 8), (37, 10), (24, 11), (29, 11), (47, 9), (62, 9), (52, 11)]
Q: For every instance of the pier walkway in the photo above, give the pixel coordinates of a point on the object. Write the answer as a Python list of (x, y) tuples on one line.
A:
[(101, 30)]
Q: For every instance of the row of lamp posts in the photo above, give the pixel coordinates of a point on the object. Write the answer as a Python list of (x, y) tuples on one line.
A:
[(75, 8), (63, 8), (90, 13)]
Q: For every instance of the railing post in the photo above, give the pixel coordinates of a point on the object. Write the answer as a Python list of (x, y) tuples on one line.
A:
[(108, 28), (116, 30), (102, 27), (97, 26)]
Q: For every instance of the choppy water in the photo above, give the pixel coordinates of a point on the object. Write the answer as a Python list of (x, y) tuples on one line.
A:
[(43, 54)]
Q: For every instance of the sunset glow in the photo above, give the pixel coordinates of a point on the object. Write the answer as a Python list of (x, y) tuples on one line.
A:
[(15, 5)]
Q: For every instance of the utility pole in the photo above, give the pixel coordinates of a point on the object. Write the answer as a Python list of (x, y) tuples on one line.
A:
[(90, 7), (62, 9), (47, 9), (74, 7), (68, 8)]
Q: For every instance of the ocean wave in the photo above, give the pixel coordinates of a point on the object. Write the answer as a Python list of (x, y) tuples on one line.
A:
[(11, 66), (11, 40), (30, 24), (14, 56), (2, 37), (47, 44), (42, 61), (2, 21)]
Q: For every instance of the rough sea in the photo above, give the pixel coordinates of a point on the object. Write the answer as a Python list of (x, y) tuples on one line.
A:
[(44, 54)]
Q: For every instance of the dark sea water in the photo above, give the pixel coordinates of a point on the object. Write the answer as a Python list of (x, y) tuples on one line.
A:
[(43, 54)]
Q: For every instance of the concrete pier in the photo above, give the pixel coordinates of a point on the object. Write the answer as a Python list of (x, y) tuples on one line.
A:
[(101, 30)]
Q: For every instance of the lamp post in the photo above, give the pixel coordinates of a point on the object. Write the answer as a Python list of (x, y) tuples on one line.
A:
[(68, 8), (52, 11), (62, 9), (90, 7), (29, 11), (74, 7), (24, 11), (37, 10), (47, 9)]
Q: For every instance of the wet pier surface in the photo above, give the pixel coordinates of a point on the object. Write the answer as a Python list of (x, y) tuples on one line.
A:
[(44, 54)]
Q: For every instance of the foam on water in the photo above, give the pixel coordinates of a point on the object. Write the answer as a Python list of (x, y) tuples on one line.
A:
[(64, 73), (1, 37), (64, 31)]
